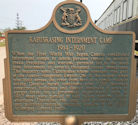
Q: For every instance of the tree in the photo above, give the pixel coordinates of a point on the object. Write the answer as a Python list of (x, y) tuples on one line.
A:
[(0, 34), (20, 28), (19, 24), (6, 29)]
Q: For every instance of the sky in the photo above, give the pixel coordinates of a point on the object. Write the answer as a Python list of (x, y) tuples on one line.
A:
[(34, 14)]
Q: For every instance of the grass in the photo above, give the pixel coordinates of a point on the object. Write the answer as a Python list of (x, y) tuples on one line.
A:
[(2, 44)]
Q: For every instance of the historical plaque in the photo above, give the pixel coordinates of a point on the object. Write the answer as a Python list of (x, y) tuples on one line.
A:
[(70, 67)]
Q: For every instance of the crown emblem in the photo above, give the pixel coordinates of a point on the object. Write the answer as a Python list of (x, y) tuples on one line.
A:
[(70, 17)]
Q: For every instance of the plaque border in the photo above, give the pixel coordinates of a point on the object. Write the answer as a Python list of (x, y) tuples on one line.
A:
[(60, 118)]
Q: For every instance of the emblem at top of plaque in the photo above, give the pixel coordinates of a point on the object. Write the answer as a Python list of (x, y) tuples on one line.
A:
[(71, 17)]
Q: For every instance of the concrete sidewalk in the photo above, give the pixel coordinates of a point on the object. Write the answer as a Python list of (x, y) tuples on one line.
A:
[(2, 74)]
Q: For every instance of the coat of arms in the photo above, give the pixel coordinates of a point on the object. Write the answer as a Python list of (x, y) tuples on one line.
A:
[(71, 17)]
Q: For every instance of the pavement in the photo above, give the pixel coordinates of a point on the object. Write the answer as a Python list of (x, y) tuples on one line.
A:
[(2, 74)]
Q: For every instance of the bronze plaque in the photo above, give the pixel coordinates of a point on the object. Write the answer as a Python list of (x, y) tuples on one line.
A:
[(70, 67)]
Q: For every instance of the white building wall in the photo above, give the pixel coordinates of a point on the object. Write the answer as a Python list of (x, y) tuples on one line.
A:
[(135, 8), (116, 13)]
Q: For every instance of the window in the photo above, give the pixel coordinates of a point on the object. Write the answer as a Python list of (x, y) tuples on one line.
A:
[(108, 20), (112, 19), (124, 10), (118, 15), (121, 12), (105, 22), (115, 17), (130, 8), (102, 25)]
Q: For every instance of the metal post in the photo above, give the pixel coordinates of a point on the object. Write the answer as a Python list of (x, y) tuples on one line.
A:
[(71, 120)]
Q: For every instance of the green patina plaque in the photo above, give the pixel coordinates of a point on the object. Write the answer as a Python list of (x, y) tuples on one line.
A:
[(70, 67)]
